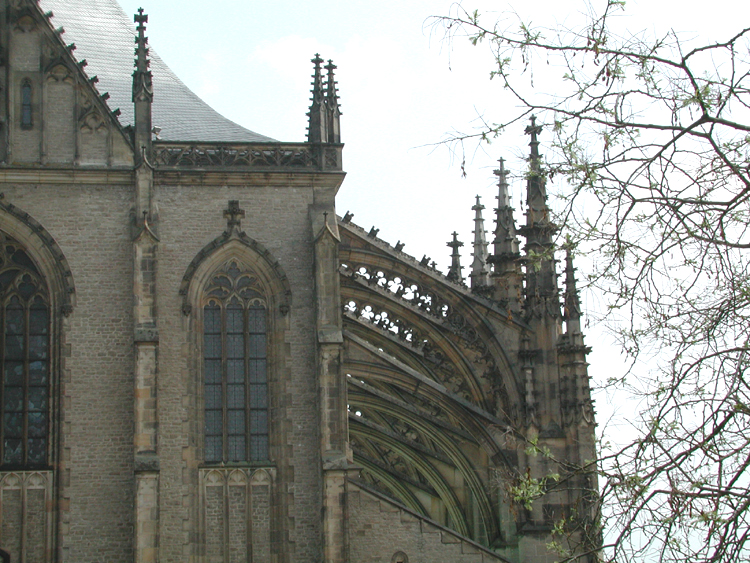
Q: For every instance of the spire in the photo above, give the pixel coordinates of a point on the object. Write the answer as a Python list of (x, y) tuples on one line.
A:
[(538, 215), (505, 243), (143, 93), (575, 392), (318, 119), (480, 273), (507, 279), (454, 274), (572, 304), (332, 101), (541, 278)]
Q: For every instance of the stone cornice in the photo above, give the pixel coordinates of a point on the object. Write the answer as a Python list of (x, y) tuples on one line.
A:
[(126, 176), (239, 177), (39, 175)]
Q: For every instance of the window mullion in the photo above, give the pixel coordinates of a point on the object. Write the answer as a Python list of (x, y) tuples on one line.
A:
[(246, 367), (26, 375), (224, 390)]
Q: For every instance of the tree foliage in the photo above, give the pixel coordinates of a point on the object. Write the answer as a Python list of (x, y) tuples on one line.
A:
[(652, 138)]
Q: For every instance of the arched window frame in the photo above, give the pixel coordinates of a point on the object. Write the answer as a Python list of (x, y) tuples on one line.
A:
[(27, 113), (234, 244), (25, 361), (235, 366)]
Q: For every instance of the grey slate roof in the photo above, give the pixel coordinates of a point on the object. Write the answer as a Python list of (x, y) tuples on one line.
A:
[(104, 36)]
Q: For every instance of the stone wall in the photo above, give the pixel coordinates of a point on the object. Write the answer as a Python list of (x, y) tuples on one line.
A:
[(381, 531)]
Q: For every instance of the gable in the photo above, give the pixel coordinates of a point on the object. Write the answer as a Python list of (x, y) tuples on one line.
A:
[(56, 116)]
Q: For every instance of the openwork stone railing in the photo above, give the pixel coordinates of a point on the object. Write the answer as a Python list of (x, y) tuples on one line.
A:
[(271, 156)]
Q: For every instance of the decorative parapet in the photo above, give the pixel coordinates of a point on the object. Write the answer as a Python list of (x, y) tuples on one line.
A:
[(267, 156)]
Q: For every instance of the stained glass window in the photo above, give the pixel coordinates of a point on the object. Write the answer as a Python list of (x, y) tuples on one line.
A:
[(235, 382), (24, 352)]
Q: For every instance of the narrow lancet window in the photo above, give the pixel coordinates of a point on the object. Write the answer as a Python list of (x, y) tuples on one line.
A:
[(234, 368), (26, 116)]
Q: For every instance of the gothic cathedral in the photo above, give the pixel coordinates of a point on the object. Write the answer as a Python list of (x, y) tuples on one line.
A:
[(202, 362)]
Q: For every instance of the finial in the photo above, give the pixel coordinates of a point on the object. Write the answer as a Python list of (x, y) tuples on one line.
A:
[(454, 273), (478, 205), (142, 87), (534, 130), (332, 103), (505, 243), (331, 82), (317, 79), (502, 182), (572, 304), (317, 128), (480, 272), (506, 275)]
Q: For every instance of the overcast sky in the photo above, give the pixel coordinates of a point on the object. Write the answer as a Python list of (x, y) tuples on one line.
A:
[(402, 91)]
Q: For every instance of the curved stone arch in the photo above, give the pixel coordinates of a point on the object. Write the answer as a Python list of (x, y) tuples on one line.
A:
[(463, 367), (239, 245), (458, 352), (449, 449), (394, 377), (36, 480), (399, 351), (214, 478), (59, 70), (436, 480), (473, 315), (448, 295), (261, 476), (45, 252), (237, 477), (11, 481), (399, 491)]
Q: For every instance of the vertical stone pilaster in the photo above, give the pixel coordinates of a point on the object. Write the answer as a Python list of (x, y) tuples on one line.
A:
[(334, 434), (146, 368), (147, 516), (335, 544)]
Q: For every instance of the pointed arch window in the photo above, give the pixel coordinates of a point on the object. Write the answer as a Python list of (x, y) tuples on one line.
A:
[(235, 381), (26, 115), (24, 354)]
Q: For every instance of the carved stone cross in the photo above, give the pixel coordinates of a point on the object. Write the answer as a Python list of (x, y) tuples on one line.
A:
[(140, 18), (234, 215)]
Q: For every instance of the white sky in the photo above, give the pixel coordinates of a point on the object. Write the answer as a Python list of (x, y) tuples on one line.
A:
[(402, 90)]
